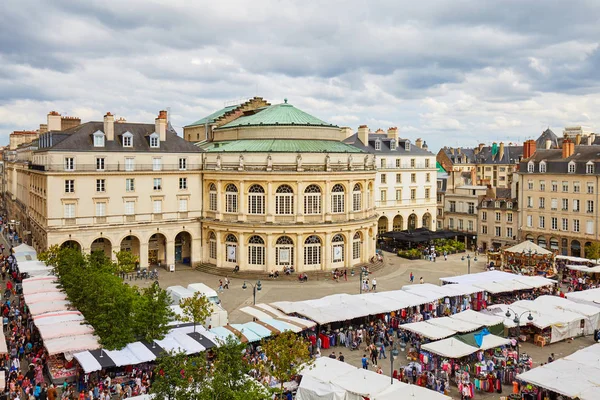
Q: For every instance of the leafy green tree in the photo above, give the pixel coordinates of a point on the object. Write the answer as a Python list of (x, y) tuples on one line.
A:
[(592, 251), (177, 376), (196, 309), (126, 261), (288, 354), (153, 313)]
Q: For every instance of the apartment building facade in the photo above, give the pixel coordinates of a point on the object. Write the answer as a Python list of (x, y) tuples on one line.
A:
[(559, 196), (405, 185), (498, 219)]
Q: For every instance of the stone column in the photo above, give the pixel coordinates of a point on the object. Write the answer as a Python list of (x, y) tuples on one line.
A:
[(220, 201), (143, 254), (298, 254), (299, 202), (196, 251), (348, 250), (221, 250), (170, 250), (327, 201), (326, 261), (270, 253), (242, 258), (242, 197)]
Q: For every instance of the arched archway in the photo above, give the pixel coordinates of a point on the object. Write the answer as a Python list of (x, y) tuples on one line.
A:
[(412, 222), (575, 248), (398, 223), (102, 244), (183, 248), (541, 241), (382, 225), (530, 238), (312, 252), (132, 244), (554, 244), (284, 251), (71, 244), (427, 220), (157, 250), (338, 248)]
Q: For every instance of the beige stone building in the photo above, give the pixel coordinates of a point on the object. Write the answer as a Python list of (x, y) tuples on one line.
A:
[(281, 189), (405, 185), (110, 186), (460, 211), (558, 196), (498, 219)]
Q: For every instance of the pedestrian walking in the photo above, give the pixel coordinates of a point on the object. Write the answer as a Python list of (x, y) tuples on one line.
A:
[(220, 290), (345, 275), (445, 255), (421, 280), (412, 278), (226, 285), (365, 362), (374, 285)]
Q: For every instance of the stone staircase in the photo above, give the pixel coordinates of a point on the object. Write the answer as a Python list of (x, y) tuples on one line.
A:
[(260, 275)]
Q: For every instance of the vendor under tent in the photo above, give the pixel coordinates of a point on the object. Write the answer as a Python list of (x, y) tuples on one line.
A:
[(451, 348), (427, 330), (403, 391), (590, 297), (574, 376)]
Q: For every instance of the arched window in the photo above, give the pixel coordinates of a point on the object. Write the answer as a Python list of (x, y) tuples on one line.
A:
[(571, 167), (530, 166), (284, 251), (231, 248), (337, 199), (284, 200), (312, 200), (212, 246), (356, 197), (231, 198), (542, 166), (337, 244), (212, 197), (356, 242), (256, 251), (256, 200), (312, 250)]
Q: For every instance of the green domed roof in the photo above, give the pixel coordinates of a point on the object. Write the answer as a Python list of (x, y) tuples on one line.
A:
[(277, 115)]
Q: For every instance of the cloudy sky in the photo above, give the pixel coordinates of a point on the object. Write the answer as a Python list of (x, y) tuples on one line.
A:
[(451, 72)]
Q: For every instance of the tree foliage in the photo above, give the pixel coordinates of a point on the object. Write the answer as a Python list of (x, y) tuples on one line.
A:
[(178, 376), (592, 251), (119, 313), (196, 309), (126, 261), (288, 354)]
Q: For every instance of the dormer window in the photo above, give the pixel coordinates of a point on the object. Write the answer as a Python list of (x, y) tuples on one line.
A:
[(530, 166), (154, 141), (393, 144), (571, 168), (407, 145), (497, 204), (589, 168), (543, 166), (378, 144), (509, 204), (127, 139), (98, 139)]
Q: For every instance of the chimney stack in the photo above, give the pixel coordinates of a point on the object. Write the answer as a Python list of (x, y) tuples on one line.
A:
[(392, 133), (109, 126), (473, 176), (481, 146), (528, 148), (346, 131), (54, 121), (43, 128), (419, 143), (160, 124), (568, 148), (590, 139), (458, 150), (452, 150), (501, 151), (363, 134), (548, 144)]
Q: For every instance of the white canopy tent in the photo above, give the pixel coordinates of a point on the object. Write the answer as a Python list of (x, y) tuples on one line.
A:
[(575, 259), (327, 369), (592, 313), (362, 383), (583, 268), (426, 289), (451, 348), (49, 306), (487, 276), (33, 266), (590, 297), (24, 252), (477, 318), (427, 330), (499, 281), (492, 341), (264, 312), (402, 391), (574, 376), (71, 344), (31, 299), (454, 324)]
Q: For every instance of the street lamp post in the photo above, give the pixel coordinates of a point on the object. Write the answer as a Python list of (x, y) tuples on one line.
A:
[(469, 261), (363, 272), (393, 354), (517, 320), (255, 288)]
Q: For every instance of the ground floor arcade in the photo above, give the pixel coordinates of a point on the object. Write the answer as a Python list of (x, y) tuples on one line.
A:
[(566, 246)]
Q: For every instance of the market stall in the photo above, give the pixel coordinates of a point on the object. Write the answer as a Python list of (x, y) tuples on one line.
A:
[(403, 391), (590, 297), (427, 330), (574, 376)]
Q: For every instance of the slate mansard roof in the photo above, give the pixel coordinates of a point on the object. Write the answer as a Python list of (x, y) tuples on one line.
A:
[(385, 145), (80, 138), (555, 163)]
